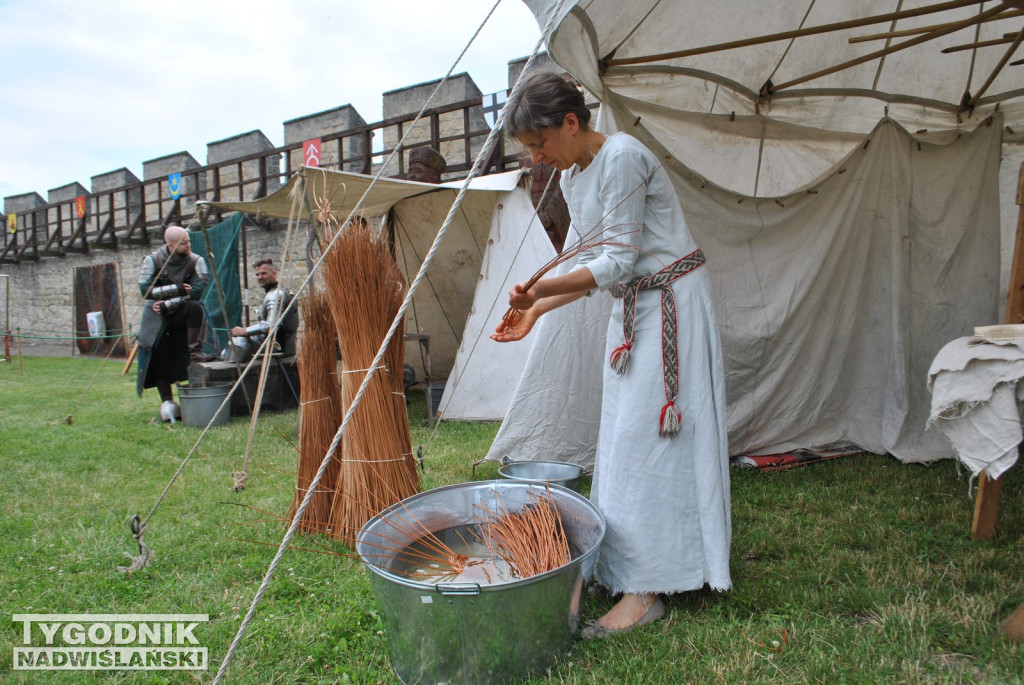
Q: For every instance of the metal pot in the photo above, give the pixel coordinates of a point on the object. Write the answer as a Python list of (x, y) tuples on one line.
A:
[(540, 472), (459, 632)]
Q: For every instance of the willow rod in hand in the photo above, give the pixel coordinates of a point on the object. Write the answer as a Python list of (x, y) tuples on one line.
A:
[(585, 242)]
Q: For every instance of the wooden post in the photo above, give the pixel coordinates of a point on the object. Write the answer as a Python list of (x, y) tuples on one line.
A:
[(986, 502), (1015, 291)]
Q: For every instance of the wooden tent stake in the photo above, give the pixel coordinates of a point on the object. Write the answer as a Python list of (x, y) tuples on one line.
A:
[(131, 358), (798, 33)]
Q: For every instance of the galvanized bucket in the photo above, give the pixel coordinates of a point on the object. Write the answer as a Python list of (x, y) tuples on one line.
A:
[(201, 404), (540, 472), (468, 633)]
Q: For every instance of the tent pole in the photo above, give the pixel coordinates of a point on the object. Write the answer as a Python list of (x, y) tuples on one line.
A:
[(7, 318), (995, 72), (245, 273), (979, 44), (986, 503), (950, 28), (123, 339), (923, 29), (798, 33)]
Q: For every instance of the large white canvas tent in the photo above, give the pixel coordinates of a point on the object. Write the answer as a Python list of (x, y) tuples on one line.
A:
[(494, 241), (847, 180)]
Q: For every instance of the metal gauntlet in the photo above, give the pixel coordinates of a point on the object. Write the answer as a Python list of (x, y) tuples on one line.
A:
[(166, 292), (169, 306)]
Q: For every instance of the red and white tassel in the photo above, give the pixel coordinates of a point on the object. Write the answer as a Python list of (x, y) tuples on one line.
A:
[(619, 358), (671, 420)]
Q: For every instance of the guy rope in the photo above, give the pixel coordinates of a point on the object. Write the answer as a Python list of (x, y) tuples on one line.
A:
[(477, 165)]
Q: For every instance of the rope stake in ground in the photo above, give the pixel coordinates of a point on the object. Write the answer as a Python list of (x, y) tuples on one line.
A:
[(145, 556)]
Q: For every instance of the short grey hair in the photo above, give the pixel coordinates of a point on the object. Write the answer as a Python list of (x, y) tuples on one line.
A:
[(543, 102)]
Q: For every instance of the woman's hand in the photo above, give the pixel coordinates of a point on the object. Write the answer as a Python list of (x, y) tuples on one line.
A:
[(522, 298), (515, 326)]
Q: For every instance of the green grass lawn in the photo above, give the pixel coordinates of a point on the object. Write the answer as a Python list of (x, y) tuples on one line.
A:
[(857, 570)]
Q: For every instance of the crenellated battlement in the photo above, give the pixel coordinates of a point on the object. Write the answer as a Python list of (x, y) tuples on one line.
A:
[(120, 218)]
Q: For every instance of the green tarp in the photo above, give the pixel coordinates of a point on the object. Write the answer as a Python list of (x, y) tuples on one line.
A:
[(223, 266)]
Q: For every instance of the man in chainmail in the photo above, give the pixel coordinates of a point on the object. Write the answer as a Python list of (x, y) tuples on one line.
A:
[(171, 280), (275, 300)]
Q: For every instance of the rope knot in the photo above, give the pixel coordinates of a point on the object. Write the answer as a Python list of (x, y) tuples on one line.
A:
[(240, 479)]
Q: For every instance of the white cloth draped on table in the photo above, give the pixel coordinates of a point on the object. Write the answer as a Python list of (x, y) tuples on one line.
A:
[(976, 397)]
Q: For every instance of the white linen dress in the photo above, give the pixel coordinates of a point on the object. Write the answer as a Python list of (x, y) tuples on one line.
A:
[(666, 499)]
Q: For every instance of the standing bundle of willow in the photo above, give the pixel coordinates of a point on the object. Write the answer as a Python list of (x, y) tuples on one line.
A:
[(320, 411), (365, 291)]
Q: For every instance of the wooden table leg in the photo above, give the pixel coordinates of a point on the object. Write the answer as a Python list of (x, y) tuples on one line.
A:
[(986, 506)]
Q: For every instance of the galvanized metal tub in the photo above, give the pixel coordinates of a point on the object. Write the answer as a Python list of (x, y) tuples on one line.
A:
[(540, 472), (469, 633)]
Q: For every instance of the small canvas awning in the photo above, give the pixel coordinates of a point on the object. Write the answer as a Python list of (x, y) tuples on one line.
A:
[(340, 191), (494, 236)]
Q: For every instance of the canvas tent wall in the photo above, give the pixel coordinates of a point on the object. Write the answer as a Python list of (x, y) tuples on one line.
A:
[(852, 221), (485, 373), (495, 214)]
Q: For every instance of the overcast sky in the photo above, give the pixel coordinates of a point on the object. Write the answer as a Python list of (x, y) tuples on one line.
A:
[(90, 87)]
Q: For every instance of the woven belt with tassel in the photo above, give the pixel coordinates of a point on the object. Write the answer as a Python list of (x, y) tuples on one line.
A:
[(671, 417)]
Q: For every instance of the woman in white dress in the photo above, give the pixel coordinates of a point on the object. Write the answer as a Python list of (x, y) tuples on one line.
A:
[(661, 472)]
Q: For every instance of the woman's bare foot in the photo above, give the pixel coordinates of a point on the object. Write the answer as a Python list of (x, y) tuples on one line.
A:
[(633, 610), (628, 611)]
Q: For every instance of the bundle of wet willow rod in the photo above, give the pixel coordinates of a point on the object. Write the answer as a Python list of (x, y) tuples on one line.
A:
[(365, 289), (320, 411), (531, 541)]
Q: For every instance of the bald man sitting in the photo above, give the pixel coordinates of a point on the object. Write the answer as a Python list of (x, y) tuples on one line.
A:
[(171, 280)]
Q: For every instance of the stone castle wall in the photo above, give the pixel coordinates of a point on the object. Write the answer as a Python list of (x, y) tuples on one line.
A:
[(36, 296)]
